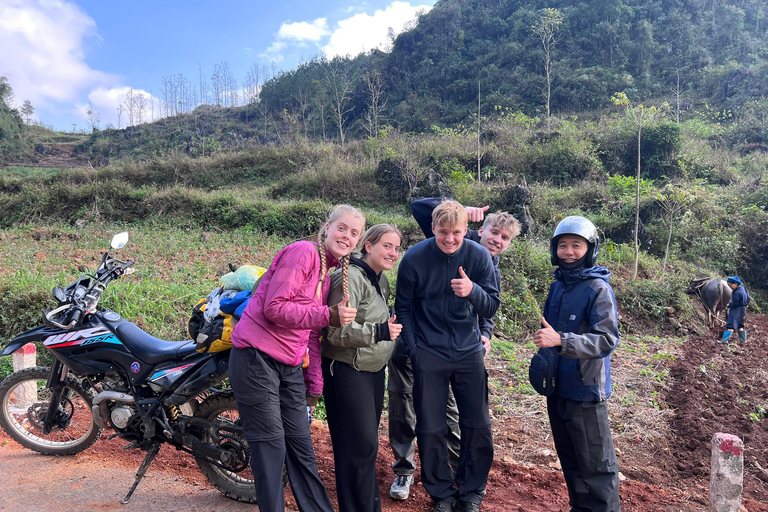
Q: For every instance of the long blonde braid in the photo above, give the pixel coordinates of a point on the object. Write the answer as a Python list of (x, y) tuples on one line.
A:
[(323, 262)]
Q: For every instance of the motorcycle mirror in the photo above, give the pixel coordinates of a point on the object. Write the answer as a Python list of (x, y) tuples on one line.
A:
[(119, 240), (59, 294)]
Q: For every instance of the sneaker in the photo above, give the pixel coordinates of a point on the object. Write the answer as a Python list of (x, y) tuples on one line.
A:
[(401, 488)]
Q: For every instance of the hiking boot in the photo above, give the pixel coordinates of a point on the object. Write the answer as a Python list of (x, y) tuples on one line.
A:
[(465, 506), (742, 336), (401, 488), (444, 506)]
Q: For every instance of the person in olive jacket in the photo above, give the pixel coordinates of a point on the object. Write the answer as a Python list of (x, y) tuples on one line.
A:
[(354, 358)]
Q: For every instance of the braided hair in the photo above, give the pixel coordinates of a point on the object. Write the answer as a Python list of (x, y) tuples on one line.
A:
[(338, 211)]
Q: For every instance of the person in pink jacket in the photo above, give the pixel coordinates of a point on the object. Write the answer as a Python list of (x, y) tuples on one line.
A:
[(282, 320)]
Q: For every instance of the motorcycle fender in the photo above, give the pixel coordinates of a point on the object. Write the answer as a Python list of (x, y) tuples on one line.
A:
[(36, 334)]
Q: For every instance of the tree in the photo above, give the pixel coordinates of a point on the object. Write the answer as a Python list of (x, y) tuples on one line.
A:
[(92, 116), (375, 101), (338, 84), (27, 110), (120, 112), (640, 116), (547, 27), (673, 201)]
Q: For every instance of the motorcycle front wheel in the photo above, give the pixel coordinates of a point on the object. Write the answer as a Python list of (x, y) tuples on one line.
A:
[(236, 485), (24, 404)]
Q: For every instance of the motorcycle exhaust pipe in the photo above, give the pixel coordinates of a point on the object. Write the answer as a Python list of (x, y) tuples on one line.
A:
[(100, 411)]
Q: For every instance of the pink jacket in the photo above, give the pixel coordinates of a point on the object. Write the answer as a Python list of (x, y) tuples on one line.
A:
[(286, 315)]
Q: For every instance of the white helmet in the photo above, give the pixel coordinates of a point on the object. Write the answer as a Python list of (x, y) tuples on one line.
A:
[(576, 225)]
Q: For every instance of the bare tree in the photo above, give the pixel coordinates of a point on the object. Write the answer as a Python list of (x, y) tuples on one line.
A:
[(203, 87), (677, 91), (338, 83), (217, 85), (547, 27), (375, 101), (141, 107), (130, 105), (252, 84), (93, 116), (321, 103), (120, 112)]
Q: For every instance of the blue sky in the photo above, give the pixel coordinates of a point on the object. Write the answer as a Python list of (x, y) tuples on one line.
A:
[(63, 54)]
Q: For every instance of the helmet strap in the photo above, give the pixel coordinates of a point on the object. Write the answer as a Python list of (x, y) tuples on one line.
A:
[(581, 262)]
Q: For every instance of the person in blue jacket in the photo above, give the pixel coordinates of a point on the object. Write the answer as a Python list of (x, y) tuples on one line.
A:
[(737, 308), (580, 321), (445, 285)]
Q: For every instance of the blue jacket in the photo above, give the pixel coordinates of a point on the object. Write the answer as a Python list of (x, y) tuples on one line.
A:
[(433, 317), (421, 209), (582, 308), (740, 297)]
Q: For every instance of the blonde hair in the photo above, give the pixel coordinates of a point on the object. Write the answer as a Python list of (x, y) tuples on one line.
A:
[(375, 233), (449, 213), (502, 220), (338, 211)]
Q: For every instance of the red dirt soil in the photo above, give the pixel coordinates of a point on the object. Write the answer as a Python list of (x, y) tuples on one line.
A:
[(715, 388)]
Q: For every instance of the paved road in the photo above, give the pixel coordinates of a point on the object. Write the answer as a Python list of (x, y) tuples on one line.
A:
[(83, 483)]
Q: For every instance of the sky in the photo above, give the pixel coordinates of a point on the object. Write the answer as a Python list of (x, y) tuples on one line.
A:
[(64, 55)]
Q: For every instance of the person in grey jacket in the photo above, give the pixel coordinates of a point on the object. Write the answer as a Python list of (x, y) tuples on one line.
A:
[(580, 325), (354, 358)]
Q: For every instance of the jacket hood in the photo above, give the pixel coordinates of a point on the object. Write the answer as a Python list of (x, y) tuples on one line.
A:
[(579, 274), (356, 260)]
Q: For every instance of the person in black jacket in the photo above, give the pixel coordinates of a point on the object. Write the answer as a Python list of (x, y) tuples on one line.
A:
[(445, 285), (496, 234), (580, 325)]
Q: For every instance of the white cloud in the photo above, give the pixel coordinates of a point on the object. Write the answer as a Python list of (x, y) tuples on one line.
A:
[(359, 33), (42, 52), (363, 32), (304, 31), (105, 102)]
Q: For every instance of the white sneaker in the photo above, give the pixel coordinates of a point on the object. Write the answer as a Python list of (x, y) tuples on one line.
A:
[(401, 487)]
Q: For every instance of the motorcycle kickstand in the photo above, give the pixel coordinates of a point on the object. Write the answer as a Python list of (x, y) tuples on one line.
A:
[(151, 453)]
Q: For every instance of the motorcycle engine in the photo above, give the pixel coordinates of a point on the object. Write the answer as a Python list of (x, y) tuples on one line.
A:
[(121, 415)]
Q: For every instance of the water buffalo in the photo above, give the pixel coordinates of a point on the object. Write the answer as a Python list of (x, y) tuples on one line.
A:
[(714, 294)]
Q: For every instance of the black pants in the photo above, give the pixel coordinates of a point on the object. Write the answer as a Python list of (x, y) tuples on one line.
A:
[(584, 444), (433, 376), (402, 417), (271, 399), (353, 403)]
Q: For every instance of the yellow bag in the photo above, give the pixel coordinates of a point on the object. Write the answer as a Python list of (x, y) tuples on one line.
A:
[(210, 336)]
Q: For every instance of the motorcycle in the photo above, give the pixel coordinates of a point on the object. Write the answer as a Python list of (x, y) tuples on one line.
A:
[(108, 373)]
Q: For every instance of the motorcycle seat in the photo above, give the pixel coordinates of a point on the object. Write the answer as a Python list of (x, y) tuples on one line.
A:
[(149, 349)]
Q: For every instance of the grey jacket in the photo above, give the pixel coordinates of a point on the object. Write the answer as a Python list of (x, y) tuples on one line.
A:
[(360, 343)]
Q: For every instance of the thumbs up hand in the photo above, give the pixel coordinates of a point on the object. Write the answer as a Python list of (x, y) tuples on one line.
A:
[(547, 336), (462, 286), (476, 214), (341, 314), (394, 329)]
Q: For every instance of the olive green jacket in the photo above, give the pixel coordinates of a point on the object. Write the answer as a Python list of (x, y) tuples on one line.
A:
[(358, 344)]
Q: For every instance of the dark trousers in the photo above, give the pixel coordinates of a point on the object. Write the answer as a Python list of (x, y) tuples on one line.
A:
[(402, 417), (584, 444), (353, 403), (271, 399), (433, 376)]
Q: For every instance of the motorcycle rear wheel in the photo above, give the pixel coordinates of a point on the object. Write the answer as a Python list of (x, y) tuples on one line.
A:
[(24, 402), (238, 486)]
